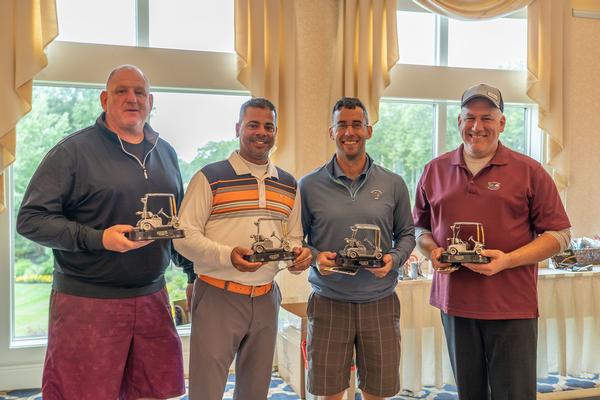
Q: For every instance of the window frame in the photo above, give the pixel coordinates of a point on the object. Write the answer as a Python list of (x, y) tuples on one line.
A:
[(441, 26), (205, 72), (533, 140)]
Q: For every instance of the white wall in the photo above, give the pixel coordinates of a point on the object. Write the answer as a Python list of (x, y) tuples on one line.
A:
[(582, 123)]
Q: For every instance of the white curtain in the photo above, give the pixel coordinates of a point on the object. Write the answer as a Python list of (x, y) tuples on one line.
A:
[(366, 51), (545, 79), (26, 28), (472, 9), (354, 50)]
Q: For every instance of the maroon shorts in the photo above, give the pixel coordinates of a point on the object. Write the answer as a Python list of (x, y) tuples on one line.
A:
[(112, 349)]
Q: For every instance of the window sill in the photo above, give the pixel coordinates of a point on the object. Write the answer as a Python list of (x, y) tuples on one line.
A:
[(23, 343)]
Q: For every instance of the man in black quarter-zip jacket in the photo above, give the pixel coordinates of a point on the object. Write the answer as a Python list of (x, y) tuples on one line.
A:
[(111, 334)]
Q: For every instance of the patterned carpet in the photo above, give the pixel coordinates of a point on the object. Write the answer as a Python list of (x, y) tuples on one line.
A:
[(279, 390)]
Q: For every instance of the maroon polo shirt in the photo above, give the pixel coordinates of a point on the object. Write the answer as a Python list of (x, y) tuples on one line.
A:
[(515, 199)]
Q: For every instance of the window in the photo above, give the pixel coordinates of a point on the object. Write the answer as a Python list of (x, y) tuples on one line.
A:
[(56, 112), (178, 24), (201, 128), (418, 115), (91, 21), (407, 135), (428, 39), (192, 25), (416, 37), (403, 139), (496, 44), (197, 125), (205, 132)]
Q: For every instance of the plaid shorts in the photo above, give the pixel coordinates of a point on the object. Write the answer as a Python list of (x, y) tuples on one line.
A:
[(337, 328), (112, 349)]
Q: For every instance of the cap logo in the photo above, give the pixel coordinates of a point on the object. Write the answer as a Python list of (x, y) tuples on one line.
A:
[(493, 185), (493, 96), (376, 193)]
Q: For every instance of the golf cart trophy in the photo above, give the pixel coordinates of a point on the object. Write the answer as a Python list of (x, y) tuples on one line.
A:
[(459, 251), (264, 248), (361, 253), (155, 226)]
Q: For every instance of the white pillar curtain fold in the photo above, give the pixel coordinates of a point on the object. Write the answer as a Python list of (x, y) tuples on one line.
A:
[(366, 51), (26, 28), (264, 42), (544, 62)]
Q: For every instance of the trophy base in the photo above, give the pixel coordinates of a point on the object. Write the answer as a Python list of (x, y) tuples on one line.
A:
[(357, 263), (155, 234), (345, 271), (457, 259), (268, 256)]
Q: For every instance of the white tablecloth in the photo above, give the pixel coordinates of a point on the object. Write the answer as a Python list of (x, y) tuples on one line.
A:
[(568, 338)]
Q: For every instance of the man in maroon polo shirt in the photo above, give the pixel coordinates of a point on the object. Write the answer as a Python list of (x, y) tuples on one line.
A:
[(489, 311)]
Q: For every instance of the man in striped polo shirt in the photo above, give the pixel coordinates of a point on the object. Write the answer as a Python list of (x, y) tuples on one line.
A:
[(235, 302)]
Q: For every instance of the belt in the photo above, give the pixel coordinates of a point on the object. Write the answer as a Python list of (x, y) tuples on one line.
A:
[(234, 287)]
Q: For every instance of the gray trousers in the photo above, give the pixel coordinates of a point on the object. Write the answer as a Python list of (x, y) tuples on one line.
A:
[(225, 325), (492, 359)]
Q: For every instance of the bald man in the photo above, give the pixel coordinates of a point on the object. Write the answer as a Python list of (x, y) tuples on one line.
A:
[(110, 334)]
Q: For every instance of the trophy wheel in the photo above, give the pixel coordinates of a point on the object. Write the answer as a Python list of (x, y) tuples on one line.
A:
[(453, 251), (259, 249), (378, 255), (146, 226), (287, 248), (478, 251), (352, 254)]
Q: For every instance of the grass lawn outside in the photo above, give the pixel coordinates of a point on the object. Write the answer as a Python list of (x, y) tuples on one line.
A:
[(32, 303), (31, 309)]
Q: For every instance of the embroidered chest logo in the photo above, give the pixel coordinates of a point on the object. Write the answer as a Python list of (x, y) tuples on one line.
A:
[(493, 185), (376, 193)]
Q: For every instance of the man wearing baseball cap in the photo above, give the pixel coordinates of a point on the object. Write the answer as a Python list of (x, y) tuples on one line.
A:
[(489, 311)]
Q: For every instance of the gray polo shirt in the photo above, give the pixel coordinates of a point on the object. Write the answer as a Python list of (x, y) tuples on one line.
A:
[(331, 203)]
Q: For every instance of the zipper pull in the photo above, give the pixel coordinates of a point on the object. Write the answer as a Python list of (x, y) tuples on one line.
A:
[(145, 172)]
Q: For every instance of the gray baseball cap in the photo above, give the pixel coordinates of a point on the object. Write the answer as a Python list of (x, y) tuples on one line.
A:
[(483, 91)]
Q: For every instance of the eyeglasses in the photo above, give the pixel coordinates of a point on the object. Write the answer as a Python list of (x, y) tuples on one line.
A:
[(343, 126)]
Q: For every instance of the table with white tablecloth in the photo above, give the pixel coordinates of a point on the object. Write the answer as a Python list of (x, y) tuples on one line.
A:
[(568, 337)]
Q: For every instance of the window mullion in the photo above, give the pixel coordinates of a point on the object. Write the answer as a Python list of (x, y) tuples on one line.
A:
[(439, 139), (441, 24), (528, 131), (6, 260), (11, 245), (535, 135), (142, 23)]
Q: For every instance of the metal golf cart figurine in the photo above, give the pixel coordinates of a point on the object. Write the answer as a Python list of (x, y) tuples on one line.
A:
[(264, 247), (160, 225), (360, 252), (460, 251)]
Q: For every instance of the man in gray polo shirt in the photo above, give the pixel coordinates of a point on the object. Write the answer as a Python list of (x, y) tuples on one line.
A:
[(360, 312)]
